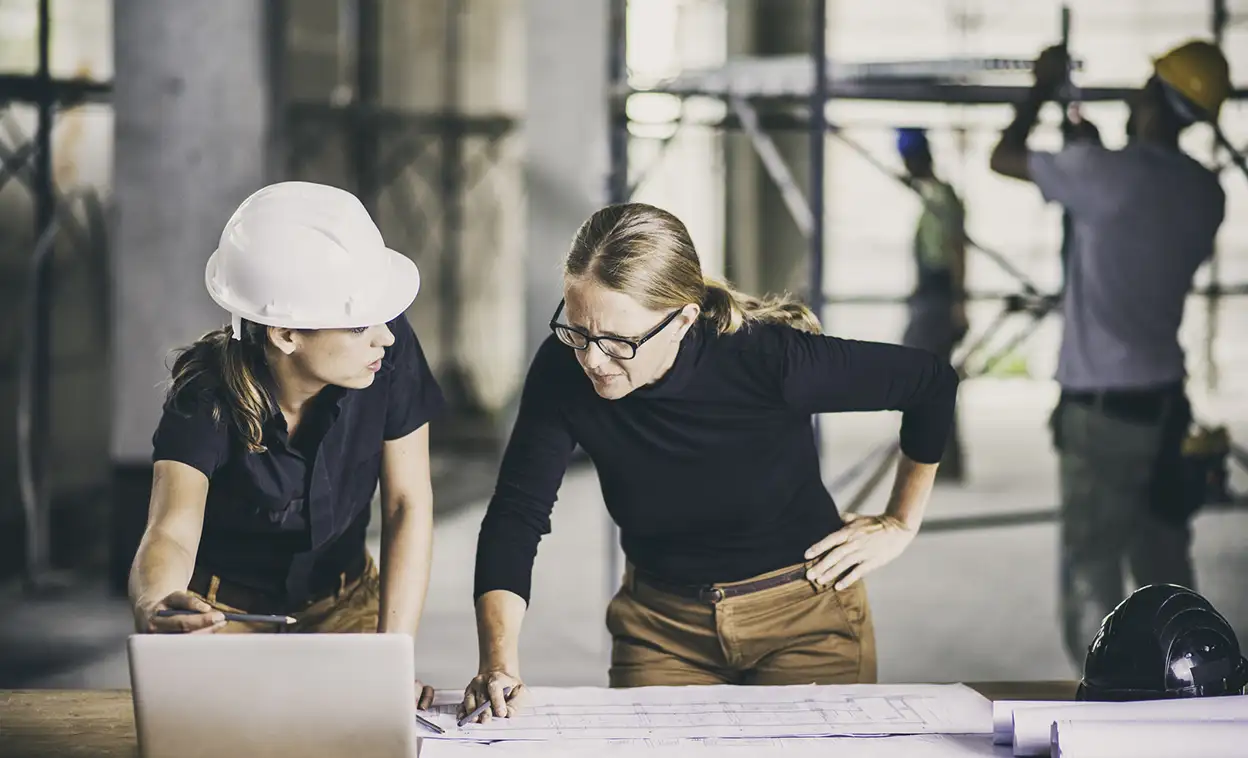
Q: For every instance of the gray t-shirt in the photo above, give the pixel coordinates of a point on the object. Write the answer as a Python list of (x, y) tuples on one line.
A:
[(1144, 220)]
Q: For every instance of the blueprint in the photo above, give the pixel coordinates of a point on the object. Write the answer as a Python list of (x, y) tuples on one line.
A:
[(732, 712), (921, 746)]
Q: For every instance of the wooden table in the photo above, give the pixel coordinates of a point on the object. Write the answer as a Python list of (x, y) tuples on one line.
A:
[(100, 723)]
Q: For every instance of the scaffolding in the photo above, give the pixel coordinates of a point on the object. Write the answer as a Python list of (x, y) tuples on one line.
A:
[(381, 143), (764, 95), (28, 159)]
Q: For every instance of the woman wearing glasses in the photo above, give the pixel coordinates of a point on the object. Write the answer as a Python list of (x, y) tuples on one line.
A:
[(695, 403)]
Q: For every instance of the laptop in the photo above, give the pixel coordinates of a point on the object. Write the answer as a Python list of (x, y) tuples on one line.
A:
[(273, 695)]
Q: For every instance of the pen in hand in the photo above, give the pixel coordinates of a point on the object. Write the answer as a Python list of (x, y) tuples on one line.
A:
[(480, 709), (255, 618)]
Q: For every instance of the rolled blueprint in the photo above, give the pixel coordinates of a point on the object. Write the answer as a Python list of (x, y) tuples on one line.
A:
[(1033, 726), (1150, 739)]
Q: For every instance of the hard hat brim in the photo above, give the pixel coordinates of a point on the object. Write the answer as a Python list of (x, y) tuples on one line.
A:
[(394, 293)]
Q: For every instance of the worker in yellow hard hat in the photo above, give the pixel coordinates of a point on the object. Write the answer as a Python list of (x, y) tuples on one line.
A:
[(1195, 79), (1143, 218)]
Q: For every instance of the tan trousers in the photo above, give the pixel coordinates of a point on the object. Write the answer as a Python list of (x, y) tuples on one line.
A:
[(354, 608), (796, 633)]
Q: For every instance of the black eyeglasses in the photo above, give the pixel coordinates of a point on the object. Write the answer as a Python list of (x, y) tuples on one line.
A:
[(615, 347)]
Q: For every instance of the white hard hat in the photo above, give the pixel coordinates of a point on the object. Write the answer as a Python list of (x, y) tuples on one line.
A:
[(308, 256)]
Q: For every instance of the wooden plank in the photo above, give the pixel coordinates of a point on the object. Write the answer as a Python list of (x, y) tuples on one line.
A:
[(71, 723), (1040, 690)]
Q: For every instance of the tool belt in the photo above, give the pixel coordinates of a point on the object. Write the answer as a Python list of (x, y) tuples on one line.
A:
[(712, 594), (1191, 470), (1205, 473), (1146, 406), (253, 600)]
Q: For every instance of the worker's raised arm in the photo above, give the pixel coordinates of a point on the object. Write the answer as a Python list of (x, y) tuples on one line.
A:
[(1009, 157)]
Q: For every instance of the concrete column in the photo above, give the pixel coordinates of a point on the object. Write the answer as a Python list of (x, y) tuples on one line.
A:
[(767, 253), (565, 135), (192, 135)]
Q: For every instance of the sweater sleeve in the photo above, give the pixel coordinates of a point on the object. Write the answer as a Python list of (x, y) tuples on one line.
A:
[(532, 471), (823, 374)]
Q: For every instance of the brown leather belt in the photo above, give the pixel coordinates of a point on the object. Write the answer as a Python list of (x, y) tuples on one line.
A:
[(712, 594), (252, 600)]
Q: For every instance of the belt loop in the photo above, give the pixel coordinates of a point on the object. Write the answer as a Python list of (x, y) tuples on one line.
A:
[(342, 583), (213, 584)]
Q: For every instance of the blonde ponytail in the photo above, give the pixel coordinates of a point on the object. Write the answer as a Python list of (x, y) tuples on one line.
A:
[(234, 366), (728, 310), (647, 253)]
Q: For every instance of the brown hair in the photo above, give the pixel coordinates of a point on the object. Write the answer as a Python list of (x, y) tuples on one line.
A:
[(647, 253), (233, 368)]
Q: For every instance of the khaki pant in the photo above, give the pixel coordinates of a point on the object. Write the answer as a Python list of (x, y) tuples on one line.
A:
[(796, 633), (354, 608)]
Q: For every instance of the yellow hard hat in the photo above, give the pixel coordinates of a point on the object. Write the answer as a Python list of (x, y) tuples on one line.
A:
[(1198, 72)]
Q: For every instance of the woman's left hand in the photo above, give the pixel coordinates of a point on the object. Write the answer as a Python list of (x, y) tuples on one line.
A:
[(864, 544)]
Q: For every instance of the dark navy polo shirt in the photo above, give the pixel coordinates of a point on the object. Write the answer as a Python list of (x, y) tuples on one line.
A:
[(292, 518)]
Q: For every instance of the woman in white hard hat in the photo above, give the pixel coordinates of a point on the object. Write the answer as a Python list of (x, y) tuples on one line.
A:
[(694, 402), (277, 430)]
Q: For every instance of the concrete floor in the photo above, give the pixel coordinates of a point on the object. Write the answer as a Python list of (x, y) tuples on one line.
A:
[(969, 604)]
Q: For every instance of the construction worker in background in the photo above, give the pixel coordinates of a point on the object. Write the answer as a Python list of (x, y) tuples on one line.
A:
[(1144, 219), (937, 307)]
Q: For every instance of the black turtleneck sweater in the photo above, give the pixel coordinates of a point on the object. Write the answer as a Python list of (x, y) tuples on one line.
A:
[(711, 472)]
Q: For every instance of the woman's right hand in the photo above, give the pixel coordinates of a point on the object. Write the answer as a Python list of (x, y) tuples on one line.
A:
[(489, 686), (206, 620)]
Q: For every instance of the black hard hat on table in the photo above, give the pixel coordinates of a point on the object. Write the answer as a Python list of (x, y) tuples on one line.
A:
[(1163, 641)]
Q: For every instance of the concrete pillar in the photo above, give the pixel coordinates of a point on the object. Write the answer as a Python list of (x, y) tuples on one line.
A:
[(767, 253), (565, 136), (567, 160), (193, 109)]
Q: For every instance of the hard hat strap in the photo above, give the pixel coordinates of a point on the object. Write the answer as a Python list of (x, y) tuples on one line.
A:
[(236, 325), (1185, 110)]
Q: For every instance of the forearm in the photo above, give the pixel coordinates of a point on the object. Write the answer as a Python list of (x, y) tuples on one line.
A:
[(1009, 157), (1026, 114), (500, 614), (911, 491), (161, 566), (406, 554)]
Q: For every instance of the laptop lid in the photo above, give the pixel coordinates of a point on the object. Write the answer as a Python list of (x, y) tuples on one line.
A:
[(273, 695)]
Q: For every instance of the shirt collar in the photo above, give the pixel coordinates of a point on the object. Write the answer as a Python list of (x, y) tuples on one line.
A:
[(328, 399), (683, 368)]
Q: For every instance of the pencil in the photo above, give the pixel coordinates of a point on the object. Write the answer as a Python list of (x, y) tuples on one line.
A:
[(429, 724), (480, 709), (255, 618)]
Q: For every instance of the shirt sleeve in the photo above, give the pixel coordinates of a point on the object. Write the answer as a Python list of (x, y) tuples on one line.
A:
[(532, 471), (1072, 178), (828, 375), (415, 398), (188, 432)]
